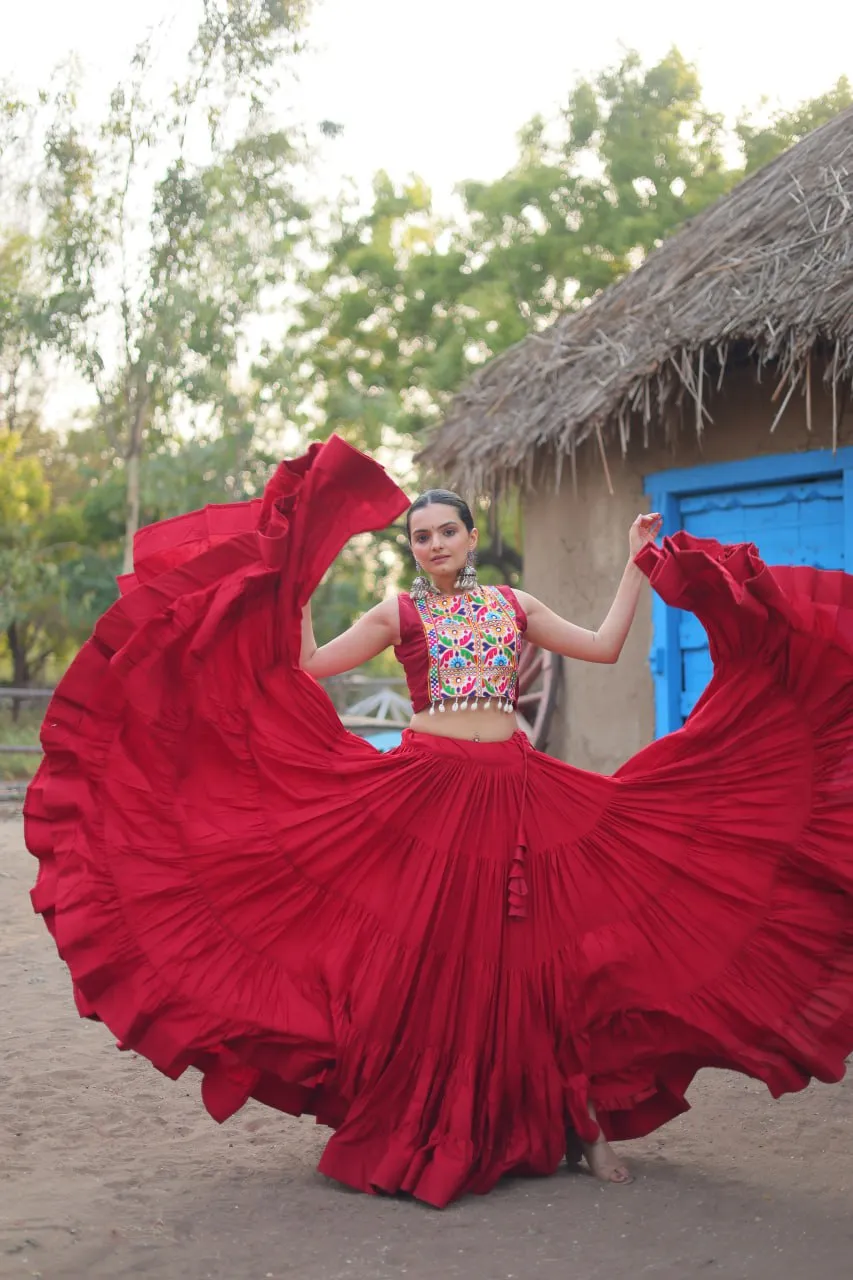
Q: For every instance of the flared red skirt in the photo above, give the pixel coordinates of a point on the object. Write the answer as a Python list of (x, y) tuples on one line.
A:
[(447, 952)]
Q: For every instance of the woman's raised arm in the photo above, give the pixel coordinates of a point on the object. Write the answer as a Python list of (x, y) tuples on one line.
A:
[(375, 631), (549, 631)]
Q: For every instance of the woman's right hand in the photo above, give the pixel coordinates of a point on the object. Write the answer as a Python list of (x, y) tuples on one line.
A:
[(643, 531)]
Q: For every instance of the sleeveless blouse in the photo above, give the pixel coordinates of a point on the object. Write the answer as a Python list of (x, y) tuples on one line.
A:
[(463, 650)]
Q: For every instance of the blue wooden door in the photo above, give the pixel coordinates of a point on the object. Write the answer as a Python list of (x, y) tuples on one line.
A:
[(791, 523)]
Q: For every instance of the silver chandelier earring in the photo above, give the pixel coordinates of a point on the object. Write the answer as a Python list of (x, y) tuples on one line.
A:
[(421, 586), (467, 580)]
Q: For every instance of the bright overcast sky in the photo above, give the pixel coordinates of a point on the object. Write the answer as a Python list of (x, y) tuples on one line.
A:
[(440, 87)]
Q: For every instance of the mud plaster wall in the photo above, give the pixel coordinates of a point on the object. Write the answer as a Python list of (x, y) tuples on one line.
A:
[(576, 547)]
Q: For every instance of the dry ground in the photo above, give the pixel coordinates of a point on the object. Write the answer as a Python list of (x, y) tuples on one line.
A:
[(107, 1170)]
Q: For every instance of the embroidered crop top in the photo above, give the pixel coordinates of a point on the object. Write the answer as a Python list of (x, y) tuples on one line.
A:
[(463, 650)]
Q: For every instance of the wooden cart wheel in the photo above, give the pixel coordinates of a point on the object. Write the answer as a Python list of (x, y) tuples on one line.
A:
[(539, 679)]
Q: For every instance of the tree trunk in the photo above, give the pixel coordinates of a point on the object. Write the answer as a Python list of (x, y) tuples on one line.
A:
[(21, 675), (133, 465), (132, 511)]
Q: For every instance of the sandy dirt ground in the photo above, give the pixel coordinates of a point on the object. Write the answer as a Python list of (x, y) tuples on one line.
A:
[(108, 1170)]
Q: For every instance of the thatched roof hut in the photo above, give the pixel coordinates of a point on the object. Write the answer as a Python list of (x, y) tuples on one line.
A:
[(765, 275)]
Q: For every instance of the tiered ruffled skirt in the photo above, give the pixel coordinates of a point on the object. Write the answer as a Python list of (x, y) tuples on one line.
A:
[(239, 885)]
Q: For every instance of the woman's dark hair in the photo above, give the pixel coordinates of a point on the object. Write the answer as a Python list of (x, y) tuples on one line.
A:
[(444, 498)]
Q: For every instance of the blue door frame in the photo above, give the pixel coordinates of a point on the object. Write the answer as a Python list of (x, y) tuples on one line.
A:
[(666, 489)]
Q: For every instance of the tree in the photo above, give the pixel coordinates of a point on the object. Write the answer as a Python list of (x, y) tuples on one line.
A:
[(762, 143), (405, 305), (27, 579), (154, 312), (45, 592)]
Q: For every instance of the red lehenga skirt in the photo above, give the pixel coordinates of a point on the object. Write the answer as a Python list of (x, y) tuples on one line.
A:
[(239, 885)]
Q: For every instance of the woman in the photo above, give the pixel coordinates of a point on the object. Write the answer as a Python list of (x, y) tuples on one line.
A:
[(454, 953)]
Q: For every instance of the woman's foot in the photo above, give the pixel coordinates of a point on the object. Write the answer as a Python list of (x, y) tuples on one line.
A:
[(604, 1164), (600, 1157)]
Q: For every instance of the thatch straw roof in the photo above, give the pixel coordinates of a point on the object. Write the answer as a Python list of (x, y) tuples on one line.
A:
[(766, 272)]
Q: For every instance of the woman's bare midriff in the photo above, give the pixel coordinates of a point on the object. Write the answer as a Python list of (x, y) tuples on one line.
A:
[(481, 725)]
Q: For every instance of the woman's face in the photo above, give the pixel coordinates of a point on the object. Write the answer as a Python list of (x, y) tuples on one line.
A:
[(440, 541)]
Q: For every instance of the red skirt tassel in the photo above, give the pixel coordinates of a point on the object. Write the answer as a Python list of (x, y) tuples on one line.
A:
[(517, 890), (517, 887)]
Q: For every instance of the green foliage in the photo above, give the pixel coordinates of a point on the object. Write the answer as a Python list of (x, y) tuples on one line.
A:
[(19, 726), (161, 347), (54, 579), (29, 576), (20, 325), (221, 235), (762, 143), (24, 495), (242, 39), (406, 304), (152, 309)]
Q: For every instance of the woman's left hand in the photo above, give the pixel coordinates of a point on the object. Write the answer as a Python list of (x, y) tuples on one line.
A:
[(644, 530)]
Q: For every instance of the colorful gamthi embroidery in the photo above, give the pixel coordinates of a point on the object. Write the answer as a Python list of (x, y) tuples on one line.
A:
[(474, 647)]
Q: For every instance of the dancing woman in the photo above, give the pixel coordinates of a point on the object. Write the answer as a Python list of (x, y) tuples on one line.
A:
[(458, 952)]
